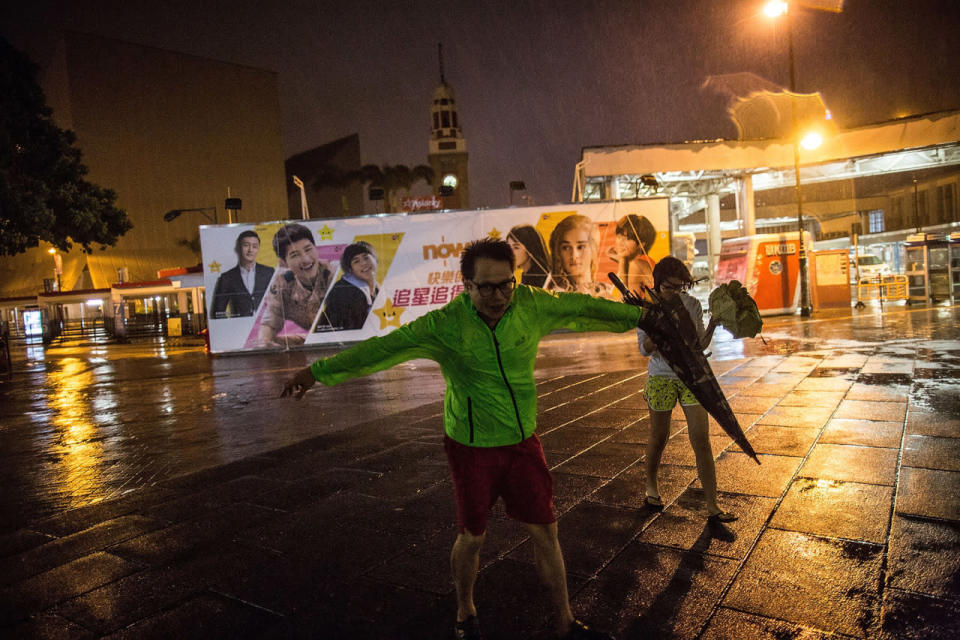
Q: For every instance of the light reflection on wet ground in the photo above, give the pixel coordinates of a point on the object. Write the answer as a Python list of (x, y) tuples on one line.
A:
[(81, 424)]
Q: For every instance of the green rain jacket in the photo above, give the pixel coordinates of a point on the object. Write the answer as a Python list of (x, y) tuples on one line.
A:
[(491, 397)]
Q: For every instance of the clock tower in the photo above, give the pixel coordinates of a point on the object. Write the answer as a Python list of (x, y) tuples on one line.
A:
[(448, 148)]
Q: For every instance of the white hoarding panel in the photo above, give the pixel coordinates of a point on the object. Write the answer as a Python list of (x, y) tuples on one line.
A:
[(283, 284)]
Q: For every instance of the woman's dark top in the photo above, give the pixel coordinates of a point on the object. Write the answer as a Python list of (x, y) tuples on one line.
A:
[(346, 308)]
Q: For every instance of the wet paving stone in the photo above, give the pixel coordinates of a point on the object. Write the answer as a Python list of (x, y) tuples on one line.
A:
[(727, 624), (511, 601), (684, 525), (666, 593), (939, 396), (637, 433), (570, 488), (867, 433), (571, 439), (604, 460), (591, 534), (784, 441), (42, 591), (913, 616), (869, 465), (885, 365), (797, 364), (752, 404), (629, 488), (182, 539), (51, 627), (792, 416), (928, 492), (932, 424), (207, 615), (766, 389), (932, 452), (679, 451), (821, 399), (611, 418), (146, 593), (872, 410), (20, 541), (811, 581), (738, 473), (62, 550), (879, 393), (924, 556), (828, 384), (836, 509)]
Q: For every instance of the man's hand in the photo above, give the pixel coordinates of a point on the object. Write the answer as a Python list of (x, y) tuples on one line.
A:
[(298, 385)]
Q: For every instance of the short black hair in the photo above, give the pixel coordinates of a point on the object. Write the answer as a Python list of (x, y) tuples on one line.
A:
[(287, 235), (354, 250), (485, 248), (638, 229), (245, 234), (670, 267)]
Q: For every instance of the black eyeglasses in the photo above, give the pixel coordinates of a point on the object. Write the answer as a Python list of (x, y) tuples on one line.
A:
[(487, 288), (672, 286)]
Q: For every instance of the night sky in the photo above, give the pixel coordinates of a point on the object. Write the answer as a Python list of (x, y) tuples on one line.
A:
[(536, 80)]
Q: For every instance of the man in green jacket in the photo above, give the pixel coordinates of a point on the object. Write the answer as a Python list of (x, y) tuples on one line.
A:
[(485, 342)]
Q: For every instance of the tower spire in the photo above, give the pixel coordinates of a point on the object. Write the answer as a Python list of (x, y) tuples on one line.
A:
[(440, 56)]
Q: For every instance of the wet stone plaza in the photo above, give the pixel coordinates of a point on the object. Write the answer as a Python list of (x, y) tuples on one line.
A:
[(152, 491)]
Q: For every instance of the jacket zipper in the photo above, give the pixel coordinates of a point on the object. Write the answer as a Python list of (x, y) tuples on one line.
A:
[(470, 416), (503, 374)]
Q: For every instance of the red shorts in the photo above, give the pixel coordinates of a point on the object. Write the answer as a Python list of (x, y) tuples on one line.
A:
[(518, 473)]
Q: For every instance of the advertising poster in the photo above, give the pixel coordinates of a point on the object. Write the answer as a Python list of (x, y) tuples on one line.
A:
[(280, 285)]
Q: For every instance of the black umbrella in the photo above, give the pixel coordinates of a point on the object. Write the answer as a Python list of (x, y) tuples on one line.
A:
[(670, 326)]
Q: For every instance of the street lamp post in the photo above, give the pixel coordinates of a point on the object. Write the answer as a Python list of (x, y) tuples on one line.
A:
[(774, 9), (58, 266)]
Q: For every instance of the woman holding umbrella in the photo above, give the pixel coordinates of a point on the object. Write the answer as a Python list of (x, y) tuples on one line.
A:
[(663, 390)]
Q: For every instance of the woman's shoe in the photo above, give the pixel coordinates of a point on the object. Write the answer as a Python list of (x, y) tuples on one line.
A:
[(654, 502), (722, 516)]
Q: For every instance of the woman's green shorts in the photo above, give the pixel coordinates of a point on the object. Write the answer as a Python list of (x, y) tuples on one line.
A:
[(662, 393)]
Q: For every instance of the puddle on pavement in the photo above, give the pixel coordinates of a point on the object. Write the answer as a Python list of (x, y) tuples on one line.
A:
[(885, 379)]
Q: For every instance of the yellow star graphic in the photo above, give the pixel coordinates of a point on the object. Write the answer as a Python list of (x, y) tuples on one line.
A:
[(326, 233), (494, 234), (214, 267), (389, 314)]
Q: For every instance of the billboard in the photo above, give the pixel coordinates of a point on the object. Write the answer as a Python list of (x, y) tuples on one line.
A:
[(279, 285)]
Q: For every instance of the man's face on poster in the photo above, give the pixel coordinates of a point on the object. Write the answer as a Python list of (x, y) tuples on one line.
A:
[(249, 248), (302, 261)]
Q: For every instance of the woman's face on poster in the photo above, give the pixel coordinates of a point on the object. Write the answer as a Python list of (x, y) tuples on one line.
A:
[(576, 254), (519, 251)]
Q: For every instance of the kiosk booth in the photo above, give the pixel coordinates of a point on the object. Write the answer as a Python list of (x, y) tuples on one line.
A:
[(954, 242), (767, 265), (830, 279), (927, 259)]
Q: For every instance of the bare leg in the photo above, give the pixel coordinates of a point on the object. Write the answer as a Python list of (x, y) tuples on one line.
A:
[(465, 562), (699, 432), (552, 571), (659, 430)]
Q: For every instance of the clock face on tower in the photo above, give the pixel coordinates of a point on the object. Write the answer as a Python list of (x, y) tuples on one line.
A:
[(450, 180)]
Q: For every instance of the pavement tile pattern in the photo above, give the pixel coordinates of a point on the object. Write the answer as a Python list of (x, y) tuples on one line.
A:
[(850, 528)]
